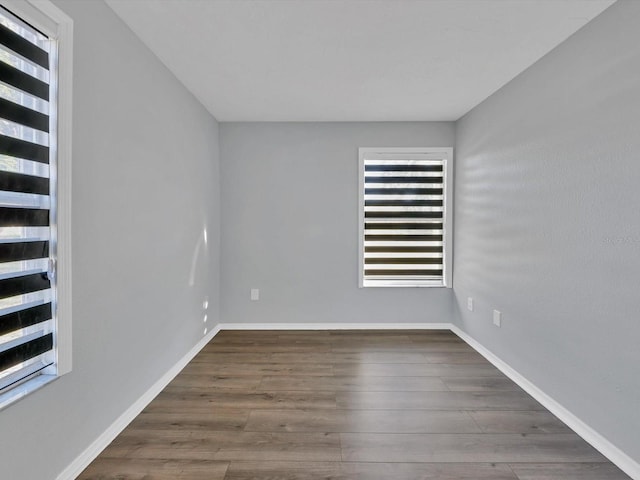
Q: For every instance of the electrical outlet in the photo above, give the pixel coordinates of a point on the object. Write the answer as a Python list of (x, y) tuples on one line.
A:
[(255, 294), (497, 318), (470, 304)]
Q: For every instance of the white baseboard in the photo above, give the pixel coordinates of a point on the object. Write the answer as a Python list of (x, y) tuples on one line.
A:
[(613, 453), (335, 326), (99, 444), (597, 441)]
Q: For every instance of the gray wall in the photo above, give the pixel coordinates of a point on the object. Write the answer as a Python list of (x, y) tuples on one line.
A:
[(290, 223), (547, 224), (145, 185)]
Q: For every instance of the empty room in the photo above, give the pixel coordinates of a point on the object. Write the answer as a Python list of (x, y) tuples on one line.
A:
[(319, 239)]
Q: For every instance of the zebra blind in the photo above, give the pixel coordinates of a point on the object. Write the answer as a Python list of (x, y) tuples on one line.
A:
[(403, 217), (26, 309)]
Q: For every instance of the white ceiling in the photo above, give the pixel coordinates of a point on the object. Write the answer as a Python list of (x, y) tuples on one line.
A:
[(350, 60)]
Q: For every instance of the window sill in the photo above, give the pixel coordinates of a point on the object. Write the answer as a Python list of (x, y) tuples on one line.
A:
[(402, 283), (24, 389)]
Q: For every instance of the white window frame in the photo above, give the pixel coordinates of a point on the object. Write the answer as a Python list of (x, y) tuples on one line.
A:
[(400, 153), (56, 24)]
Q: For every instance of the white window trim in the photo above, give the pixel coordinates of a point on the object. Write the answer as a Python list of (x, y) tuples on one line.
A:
[(445, 153), (52, 21)]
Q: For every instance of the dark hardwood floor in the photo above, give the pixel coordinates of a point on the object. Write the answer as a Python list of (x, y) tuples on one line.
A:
[(346, 405)]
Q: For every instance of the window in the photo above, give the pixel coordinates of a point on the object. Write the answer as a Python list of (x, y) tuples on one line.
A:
[(405, 217), (35, 299)]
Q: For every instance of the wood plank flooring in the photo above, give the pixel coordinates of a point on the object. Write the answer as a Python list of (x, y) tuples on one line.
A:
[(345, 405)]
